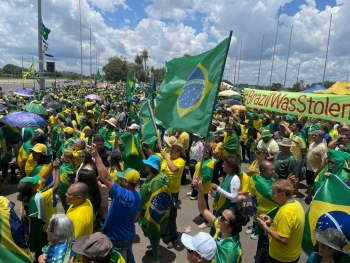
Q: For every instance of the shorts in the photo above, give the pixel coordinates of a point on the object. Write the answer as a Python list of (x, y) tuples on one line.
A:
[(298, 167), (309, 177), (104, 196)]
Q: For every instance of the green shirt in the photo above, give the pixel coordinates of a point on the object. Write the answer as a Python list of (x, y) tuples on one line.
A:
[(284, 164)]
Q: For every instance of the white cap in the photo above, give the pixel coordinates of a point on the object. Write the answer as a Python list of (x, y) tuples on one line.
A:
[(134, 126), (195, 134), (203, 243)]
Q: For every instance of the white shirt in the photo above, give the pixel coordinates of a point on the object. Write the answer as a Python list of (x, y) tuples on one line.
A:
[(235, 185), (197, 151)]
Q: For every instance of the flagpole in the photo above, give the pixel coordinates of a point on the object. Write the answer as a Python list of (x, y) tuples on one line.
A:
[(81, 48), (262, 47), (153, 121), (34, 75), (274, 47), (239, 64), (234, 76), (40, 50), (285, 74), (298, 73), (325, 63), (90, 58), (22, 72)]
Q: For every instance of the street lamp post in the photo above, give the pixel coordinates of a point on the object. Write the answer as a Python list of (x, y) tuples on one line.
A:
[(81, 48)]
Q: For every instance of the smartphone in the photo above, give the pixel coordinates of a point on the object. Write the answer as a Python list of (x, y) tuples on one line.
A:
[(90, 140), (146, 146), (54, 155)]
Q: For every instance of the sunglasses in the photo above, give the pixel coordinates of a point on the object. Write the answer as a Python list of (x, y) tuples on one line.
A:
[(330, 162), (192, 251), (223, 219), (315, 135), (325, 246)]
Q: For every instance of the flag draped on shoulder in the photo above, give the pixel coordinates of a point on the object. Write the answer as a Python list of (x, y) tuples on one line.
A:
[(188, 93), (13, 244), (30, 72), (129, 86), (330, 208)]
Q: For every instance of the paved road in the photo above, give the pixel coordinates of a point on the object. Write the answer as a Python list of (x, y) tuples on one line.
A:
[(13, 84), (187, 210)]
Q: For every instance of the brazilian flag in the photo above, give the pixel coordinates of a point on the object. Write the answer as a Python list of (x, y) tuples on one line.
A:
[(129, 86), (13, 244), (187, 96), (330, 208), (131, 150), (132, 113)]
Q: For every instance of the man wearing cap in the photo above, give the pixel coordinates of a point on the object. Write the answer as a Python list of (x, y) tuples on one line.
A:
[(200, 247), (310, 127), (96, 248), (284, 161), (68, 136), (109, 133), (78, 146), (267, 142), (345, 130), (243, 138), (125, 208)]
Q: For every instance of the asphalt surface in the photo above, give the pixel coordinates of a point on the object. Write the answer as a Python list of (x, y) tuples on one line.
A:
[(187, 210), (14, 84)]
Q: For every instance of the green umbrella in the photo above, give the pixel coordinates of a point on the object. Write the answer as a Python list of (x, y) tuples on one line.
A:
[(35, 108)]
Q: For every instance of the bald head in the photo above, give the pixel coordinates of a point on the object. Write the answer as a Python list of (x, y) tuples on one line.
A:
[(267, 170), (80, 189)]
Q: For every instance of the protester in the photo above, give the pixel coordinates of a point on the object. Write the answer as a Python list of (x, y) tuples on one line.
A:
[(284, 161), (200, 247), (267, 142)]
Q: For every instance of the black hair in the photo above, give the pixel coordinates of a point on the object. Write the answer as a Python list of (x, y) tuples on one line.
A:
[(253, 131), (89, 178), (299, 125), (98, 138), (336, 256), (237, 221)]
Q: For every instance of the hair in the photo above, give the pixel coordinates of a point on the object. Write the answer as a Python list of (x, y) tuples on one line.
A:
[(39, 138), (88, 160), (98, 138), (237, 221), (81, 143), (228, 125), (233, 162), (319, 133), (283, 186), (324, 129), (336, 256), (115, 163), (253, 131), (299, 125), (69, 157), (62, 228), (210, 150), (88, 177)]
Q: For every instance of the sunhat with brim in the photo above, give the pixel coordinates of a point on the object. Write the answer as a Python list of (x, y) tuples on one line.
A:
[(262, 150), (202, 243), (130, 175), (215, 123), (39, 148), (221, 126), (112, 121), (266, 134), (197, 135), (170, 140), (180, 147), (153, 161), (333, 238), (286, 142), (134, 126)]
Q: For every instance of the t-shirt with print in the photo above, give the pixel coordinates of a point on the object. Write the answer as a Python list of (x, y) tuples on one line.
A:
[(284, 164)]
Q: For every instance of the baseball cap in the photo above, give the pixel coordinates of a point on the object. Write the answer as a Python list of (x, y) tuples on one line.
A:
[(134, 126), (95, 247), (130, 175), (34, 179), (26, 183), (203, 243), (39, 148), (68, 130)]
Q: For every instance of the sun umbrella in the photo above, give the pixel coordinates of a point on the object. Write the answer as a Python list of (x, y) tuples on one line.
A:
[(228, 92), (238, 107), (93, 97), (35, 108), (53, 105), (24, 119), (23, 93), (230, 102)]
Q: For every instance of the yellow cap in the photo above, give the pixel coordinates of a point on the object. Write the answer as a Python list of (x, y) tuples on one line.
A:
[(68, 130), (39, 148), (130, 175)]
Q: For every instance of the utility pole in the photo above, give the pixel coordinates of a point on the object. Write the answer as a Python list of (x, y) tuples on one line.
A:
[(81, 48), (239, 64), (285, 75), (234, 76), (298, 73), (90, 57), (262, 47), (274, 47), (325, 62), (40, 51)]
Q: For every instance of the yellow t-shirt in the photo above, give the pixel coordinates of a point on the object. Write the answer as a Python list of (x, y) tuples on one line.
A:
[(257, 124), (296, 150), (288, 223), (217, 151), (82, 217), (184, 139), (333, 133), (253, 166), (174, 178), (244, 133), (51, 122), (207, 172), (77, 158), (245, 182), (48, 203)]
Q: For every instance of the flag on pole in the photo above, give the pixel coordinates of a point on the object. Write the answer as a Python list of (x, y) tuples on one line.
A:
[(188, 93), (330, 208), (46, 50), (30, 72), (100, 78), (45, 31), (129, 86)]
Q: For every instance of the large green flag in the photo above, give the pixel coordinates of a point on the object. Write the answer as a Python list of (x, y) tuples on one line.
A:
[(100, 78), (330, 208), (45, 31), (129, 86), (150, 96), (131, 150), (188, 93)]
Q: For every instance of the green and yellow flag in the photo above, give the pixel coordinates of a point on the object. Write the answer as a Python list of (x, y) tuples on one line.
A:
[(330, 208), (129, 86), (45, 31), (30, 72), (13, 244), (100, 78), (188, 93)]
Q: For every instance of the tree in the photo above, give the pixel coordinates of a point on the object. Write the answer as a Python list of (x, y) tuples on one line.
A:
[(276, 86), (186, 55), (145, 57), (138, 61), (296, 87), (116, 69)]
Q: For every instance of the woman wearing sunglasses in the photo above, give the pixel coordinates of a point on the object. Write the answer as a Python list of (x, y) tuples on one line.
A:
[(227, 226)]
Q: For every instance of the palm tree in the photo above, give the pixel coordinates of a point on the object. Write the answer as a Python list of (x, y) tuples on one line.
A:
[(138, 61), (144, 55)]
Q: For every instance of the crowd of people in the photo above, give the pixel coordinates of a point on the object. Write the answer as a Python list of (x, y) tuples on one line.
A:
[(91, 155)]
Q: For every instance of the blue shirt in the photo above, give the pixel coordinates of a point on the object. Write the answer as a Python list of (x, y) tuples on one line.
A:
[(119, 224)]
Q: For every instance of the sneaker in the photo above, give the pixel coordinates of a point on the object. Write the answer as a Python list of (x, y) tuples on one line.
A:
[(173, 243), (198, 218), (189, 193), (203, 225), (150, 253), (254, 237), (250, 231), (250, 227), (194, 198)]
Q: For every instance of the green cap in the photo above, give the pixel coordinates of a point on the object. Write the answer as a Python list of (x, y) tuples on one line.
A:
[(34, 180)]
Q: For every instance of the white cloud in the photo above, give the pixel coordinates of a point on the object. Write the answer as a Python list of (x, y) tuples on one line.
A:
[(248, 19)]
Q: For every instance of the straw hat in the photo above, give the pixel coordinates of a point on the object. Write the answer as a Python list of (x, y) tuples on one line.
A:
[(170, 140), (112, 121), (180, 147), (286, 142), (221, 126)]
